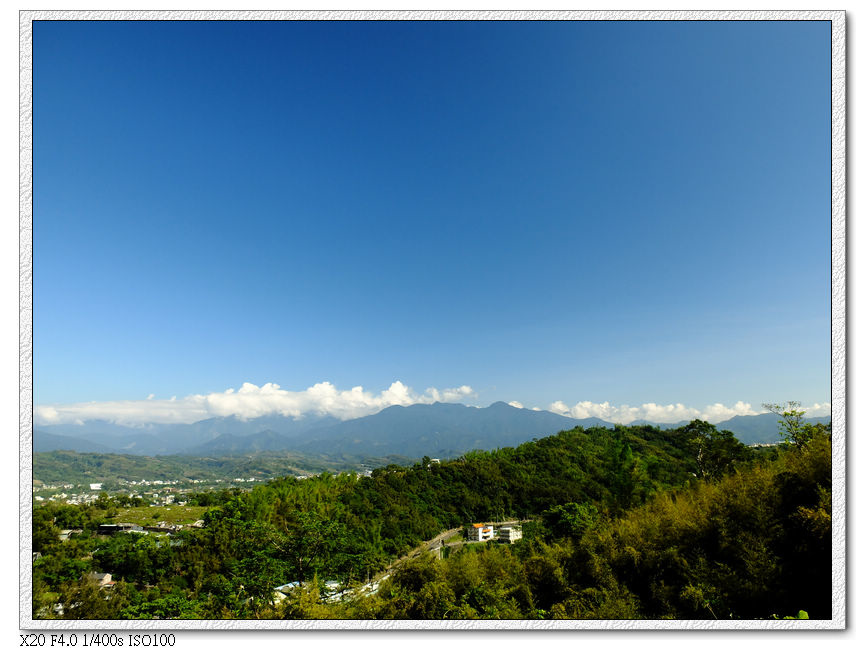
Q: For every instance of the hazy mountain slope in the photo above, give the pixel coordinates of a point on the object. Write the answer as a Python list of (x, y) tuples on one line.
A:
[(229, 444), (439, 430), (762, 428), (153, 439), (43, 441)]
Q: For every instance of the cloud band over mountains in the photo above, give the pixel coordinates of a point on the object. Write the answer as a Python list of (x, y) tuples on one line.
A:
[(324, 398), (250, 401), (667, 413)]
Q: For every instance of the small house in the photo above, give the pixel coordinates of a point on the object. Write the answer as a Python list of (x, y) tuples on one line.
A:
[(102, 579), (481, 533)]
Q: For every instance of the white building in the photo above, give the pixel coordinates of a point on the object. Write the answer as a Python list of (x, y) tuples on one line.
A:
[(102, 579), (510, 534), (481, 533)]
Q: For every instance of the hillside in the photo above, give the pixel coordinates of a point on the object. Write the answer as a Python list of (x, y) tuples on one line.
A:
[(624, 523)]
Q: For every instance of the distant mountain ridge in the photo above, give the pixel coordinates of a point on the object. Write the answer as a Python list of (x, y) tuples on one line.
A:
[(166, 439), (440, 430), (230, 444), (44, 441), (762, 428)]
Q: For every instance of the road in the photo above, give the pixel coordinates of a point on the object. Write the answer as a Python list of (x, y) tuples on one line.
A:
[(429, 546), (438, 541)]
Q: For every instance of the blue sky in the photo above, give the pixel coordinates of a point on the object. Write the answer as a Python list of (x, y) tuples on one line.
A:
[(574, 212)]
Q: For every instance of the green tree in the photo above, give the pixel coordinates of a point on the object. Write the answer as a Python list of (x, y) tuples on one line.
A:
[(163, 608), (714, 451), (793, 426), (85, 599), (45, 533), (570, 519)]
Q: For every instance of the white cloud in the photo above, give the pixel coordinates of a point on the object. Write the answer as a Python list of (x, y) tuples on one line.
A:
[(661, 413), (47, 415), (324, 398), (559, 407), (668, 413), (250, 401), (449, 394), (818, 409)]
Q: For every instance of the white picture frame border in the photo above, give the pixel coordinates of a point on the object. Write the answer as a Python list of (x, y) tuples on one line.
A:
[(838, 318)]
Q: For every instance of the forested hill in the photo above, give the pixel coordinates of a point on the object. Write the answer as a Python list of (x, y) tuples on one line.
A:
[(400, 506), (347, 527)]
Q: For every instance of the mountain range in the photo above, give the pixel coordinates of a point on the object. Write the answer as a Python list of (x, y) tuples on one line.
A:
[(441, 430)]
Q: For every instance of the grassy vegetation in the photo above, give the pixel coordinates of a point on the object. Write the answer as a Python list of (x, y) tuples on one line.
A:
[(147, 515)]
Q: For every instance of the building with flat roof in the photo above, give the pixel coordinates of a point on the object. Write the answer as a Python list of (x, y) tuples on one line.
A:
[(510, 534), (481, 533)]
